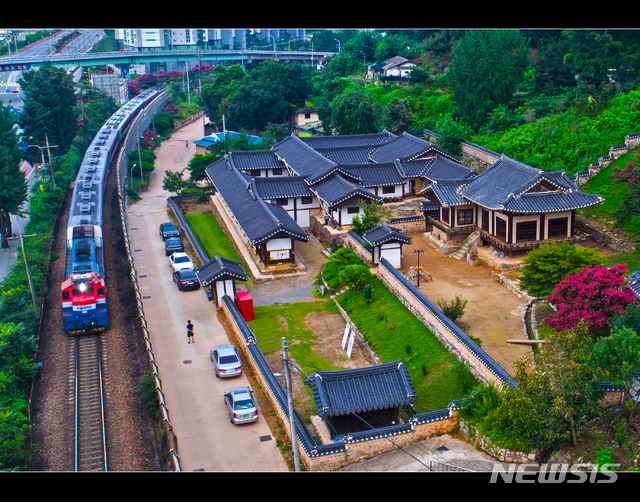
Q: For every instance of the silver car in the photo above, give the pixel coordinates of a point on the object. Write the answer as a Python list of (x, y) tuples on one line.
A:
[(226, 361), (241, 405)]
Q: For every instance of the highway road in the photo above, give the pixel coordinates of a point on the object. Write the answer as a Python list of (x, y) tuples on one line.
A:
[(9, 92), (207, 441)]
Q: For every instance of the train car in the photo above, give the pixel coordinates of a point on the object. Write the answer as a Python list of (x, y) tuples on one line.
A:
[(83, 291)]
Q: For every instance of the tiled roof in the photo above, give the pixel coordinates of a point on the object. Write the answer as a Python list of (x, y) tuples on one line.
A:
[(405, 146), (373, 175), (447, 192), (349, 154), (634, 282), (549, 202), (254, 159), (280, 187), (383, 233), (360, 390), (336, 190), (350, 140), (220, 268), (504, 186), (259, 220), (301, 158)]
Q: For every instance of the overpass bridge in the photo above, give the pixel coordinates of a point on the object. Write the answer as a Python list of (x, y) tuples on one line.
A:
[(127, 59)]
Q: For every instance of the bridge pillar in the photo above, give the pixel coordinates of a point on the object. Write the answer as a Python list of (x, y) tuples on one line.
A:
[(124, 70)]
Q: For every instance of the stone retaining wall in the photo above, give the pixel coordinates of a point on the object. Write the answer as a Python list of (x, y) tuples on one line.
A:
[(481, 372)]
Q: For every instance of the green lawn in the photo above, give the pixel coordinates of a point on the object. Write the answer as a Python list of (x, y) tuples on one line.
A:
[(212, 237), (394, 332)]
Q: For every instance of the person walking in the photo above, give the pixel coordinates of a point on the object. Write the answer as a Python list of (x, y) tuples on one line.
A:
[(190, 332)]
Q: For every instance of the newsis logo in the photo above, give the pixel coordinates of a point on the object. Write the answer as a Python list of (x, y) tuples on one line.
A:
[(555, 473)]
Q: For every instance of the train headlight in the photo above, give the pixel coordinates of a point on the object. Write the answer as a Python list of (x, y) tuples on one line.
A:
[(83, 287)]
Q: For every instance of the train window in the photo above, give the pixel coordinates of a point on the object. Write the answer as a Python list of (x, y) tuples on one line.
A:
[(65, 295), (100, 291), (76, 292)]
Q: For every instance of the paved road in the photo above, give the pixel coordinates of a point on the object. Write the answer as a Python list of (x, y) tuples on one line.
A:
[(206, 439)]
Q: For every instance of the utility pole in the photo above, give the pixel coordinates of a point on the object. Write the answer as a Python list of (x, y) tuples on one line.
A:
[(292, 421), (36, 307)]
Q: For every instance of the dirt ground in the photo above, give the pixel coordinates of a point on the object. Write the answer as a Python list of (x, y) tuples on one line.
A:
[(493, 314)]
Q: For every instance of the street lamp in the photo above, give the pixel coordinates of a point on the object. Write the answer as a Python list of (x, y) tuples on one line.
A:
[(418, 253), (131, 175)]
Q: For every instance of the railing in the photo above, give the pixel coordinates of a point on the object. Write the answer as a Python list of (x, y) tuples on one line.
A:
[(139, 125)]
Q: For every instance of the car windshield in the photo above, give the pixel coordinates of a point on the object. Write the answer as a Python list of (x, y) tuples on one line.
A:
[(169, 227), (228, 359), (181, 259), (173, 242), (243, 404)]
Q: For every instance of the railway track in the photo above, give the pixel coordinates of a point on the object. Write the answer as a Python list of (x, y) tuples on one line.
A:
[(90, 434)]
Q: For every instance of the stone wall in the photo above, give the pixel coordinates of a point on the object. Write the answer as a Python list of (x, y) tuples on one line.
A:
[(603, 238), (480, 370)]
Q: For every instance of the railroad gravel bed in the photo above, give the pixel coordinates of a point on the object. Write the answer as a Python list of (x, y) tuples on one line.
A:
[(131, 432)]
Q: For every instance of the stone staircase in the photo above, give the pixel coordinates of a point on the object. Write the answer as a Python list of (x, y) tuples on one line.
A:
[(466, 246)]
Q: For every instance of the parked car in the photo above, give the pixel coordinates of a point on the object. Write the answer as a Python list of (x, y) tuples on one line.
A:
[(186, 279), (180, 261), (241, 405), (226, 361), (173, 245), (169, 230)]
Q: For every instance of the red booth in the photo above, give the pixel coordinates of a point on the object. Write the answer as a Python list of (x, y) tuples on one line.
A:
[(244, 302)]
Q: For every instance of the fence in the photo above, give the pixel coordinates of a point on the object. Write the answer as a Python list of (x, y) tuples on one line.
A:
[(138, 126)]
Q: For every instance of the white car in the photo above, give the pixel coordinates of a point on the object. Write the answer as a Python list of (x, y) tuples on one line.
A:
[(180, 261)]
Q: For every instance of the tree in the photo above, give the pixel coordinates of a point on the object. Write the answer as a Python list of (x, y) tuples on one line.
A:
[(557, 393), (372, 214), (593, 54), (486, 68), (451, 132), (13, 185), (49, 108), (593, 296), (174, 182), (547, 265), (354, 275), (355, 112), (616, 359)]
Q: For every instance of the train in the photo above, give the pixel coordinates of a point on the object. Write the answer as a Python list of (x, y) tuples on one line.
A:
[(83, 292)]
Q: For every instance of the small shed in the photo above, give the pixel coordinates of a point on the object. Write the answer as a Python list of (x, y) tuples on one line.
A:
[(386, 242), (221, 274), (361, 399)]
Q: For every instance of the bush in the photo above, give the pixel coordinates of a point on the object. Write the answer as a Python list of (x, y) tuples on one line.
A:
[(455, 309)]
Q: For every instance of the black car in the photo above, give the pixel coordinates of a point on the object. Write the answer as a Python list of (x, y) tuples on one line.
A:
[(186, 279), (169, 230), (173, 245)]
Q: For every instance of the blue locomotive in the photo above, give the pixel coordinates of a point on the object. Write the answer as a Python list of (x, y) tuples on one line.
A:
[(83, 291)]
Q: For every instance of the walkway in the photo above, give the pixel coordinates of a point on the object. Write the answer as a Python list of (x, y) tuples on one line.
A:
[(207, 441)]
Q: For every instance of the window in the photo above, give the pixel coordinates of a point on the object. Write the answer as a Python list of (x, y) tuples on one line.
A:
[(465, 216), (445, 215), (277, 171), (282, 202), (501, 228), (306, 200), (254, 172), (65, 295), (353, 210), (526, 231), (558, 227), (391, 189)]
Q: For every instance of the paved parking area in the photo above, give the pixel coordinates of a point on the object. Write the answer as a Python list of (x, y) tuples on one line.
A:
[(207, 441)]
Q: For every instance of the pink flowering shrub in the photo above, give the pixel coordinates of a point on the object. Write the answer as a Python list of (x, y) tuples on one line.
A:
[(629, 173), (592, 295)]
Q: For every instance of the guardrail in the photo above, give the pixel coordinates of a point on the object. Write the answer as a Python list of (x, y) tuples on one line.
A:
[(139, 125)]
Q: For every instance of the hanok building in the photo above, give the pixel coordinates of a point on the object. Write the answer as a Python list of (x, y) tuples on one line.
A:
[(386, 242), (361, 399), (270, 231), (512, 205), (221, 275)]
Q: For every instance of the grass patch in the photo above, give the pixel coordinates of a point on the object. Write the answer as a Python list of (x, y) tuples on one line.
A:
[(613, 193), (394, 332), (213, 239), (272, 322)]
